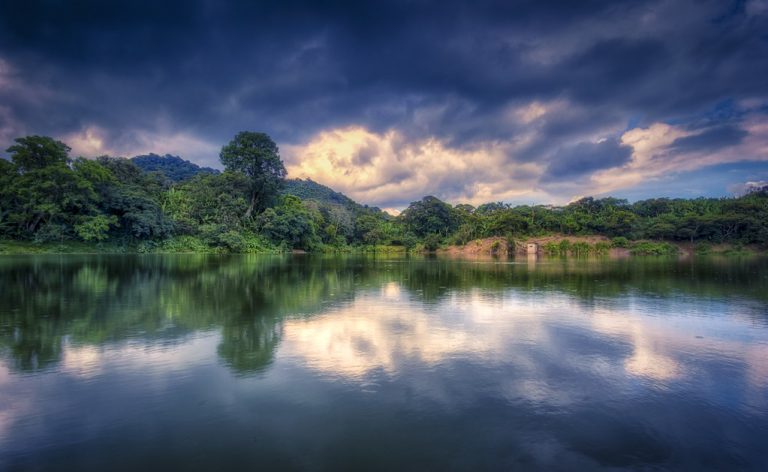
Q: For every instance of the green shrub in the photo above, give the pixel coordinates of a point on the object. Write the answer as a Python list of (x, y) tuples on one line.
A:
[(620, 241), (551, 248), (737, 249), (702, 248), (580, 248), (256, 243), (565, 246), (233, 241), (383, 249), (601, 248), (650, 248), (147, 246), (410, 241), (51, 232), (185, 244)]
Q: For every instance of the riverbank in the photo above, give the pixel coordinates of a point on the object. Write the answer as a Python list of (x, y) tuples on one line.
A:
[(77, 247), (567, 245), (178, 246), (551, 245)]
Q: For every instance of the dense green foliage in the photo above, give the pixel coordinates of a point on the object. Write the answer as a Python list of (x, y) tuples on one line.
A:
[(173, 168), (311, 190), (47, 196), (157, 203)]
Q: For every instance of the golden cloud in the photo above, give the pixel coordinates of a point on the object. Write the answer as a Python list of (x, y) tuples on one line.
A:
[(385, 168)]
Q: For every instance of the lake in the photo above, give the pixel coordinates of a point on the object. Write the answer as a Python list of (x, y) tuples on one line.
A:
[(194, 362)]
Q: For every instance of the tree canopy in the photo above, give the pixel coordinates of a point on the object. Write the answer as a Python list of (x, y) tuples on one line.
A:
[(38, 152), (257, 157), (173, 168)]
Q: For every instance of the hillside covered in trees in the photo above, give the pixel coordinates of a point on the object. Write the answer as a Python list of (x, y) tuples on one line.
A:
[(174, 168), (163, 203)]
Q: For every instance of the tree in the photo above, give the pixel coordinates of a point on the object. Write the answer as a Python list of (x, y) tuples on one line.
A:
[(37, 152), (256, 156), (430, 215), (504, 222), (7, 172), (249, 342), (219, 199), (43, 195), (368, 228), (134, 198)]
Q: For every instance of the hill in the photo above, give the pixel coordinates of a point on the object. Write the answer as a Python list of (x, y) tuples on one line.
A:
[(310, 190), (173, 167)]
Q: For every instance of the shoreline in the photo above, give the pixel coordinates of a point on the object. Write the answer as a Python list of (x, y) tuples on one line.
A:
[(550, 246)]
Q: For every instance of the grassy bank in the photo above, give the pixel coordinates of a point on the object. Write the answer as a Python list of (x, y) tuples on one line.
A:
[(181, 245), (549, 246), (170, 246), (65, 247)]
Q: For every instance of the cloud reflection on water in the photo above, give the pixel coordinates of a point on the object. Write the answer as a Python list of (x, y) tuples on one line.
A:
[(391, 331)]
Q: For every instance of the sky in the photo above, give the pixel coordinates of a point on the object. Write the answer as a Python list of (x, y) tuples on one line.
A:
[(475, 101)]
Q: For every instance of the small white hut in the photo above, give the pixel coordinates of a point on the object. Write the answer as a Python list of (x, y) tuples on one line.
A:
[(532, 248)]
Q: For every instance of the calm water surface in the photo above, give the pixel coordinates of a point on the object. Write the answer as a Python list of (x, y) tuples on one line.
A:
[(300, 363)]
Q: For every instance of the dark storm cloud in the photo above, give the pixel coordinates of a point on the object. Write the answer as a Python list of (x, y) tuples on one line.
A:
[(585, 158), (710, 139), (616, 68), (447, 69)]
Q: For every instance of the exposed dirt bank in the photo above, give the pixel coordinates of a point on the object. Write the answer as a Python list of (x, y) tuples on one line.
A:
[(501, 247)]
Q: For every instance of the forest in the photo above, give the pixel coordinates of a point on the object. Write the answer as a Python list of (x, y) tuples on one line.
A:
[(166, 204)]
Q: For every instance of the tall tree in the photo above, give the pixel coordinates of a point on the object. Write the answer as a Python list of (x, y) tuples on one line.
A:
[(256, 156), (37, 152), (44, 196)]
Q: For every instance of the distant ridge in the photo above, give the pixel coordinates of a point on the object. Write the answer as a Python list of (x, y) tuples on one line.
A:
[(177, 169), (310, 190), (173, 167)]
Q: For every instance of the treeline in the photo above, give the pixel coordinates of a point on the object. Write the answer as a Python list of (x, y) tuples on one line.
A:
[(165, 203), (742, 220)]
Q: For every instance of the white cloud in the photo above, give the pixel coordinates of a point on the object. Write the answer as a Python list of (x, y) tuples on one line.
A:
[(536, 110), (652, 157), (746, 187), (649, 149)]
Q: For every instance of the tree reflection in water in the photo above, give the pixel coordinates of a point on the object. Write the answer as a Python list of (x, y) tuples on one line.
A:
[(48, 302)]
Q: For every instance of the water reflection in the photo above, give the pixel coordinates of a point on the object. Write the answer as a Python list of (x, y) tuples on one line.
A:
[(594, 363), (390, 329), (373, 309)]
